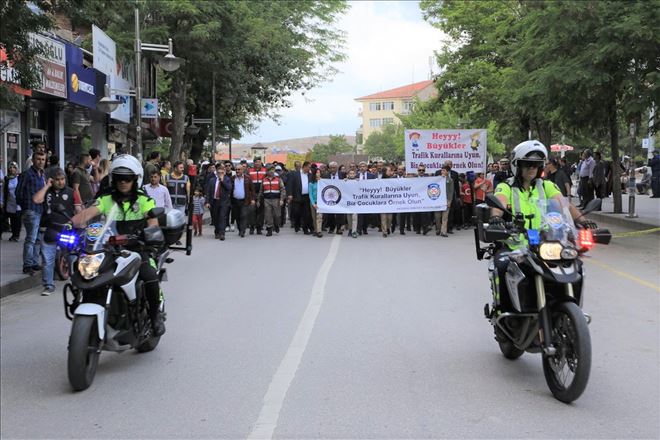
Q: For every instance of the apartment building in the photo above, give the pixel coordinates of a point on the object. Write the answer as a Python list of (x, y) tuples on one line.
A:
[(379, 109)]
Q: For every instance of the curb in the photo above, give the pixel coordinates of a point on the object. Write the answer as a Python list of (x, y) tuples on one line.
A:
[(621, 220), (25, 283)]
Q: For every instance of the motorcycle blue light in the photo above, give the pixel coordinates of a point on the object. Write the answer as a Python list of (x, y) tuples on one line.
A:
[(534, 237), (67, 240)]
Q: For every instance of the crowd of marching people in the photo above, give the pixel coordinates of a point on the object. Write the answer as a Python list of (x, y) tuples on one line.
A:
[(259, 199)]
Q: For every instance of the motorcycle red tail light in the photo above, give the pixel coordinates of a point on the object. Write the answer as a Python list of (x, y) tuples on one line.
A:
[(118, 240), (585, 239)]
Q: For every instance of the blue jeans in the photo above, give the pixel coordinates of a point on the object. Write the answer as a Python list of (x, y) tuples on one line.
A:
[(49, 251), (31, 246)]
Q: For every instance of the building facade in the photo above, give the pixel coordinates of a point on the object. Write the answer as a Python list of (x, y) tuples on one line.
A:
[(380, 109)]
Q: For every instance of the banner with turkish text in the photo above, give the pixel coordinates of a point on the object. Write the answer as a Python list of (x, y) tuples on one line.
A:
[(381, 196), (466, 149)]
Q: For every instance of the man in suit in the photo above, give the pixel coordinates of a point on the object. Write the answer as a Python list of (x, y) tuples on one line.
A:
[(363, 219), (218, 199), (298, 191), (334, 222), (456, 207), (402, 218), (242, 198), (421, 220)]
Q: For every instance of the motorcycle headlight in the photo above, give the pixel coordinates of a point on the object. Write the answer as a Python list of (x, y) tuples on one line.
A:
[(89, 265), (550, 251)]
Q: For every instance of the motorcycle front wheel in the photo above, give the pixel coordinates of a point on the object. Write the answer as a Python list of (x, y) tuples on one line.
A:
[(567, 371), (62, 266), (84, 348), (506, 346)]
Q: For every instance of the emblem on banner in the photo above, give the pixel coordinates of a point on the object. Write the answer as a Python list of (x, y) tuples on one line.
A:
[(433, 191), (331, 195)]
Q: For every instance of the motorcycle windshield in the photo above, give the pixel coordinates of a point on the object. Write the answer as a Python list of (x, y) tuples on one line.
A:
[(98, 233), (556, 221)]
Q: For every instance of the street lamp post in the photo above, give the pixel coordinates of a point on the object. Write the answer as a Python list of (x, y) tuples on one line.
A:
[(168, 63)]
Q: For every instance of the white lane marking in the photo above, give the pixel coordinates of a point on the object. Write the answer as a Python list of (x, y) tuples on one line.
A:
[(274, 398)]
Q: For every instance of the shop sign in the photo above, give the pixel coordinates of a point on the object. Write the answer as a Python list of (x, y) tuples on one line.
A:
[(53, 65), (105, 52), (149, 108), (9, 75), (123, 112), (81, 81)]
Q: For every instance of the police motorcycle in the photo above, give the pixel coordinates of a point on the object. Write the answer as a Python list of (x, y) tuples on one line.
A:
[(537, 284), (105, 299)]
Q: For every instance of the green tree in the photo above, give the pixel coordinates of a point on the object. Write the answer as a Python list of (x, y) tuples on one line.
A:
[(477, 66), (581, 68), (260, 52), (386, 143), (592, 65), (336, 145), (19, 19)]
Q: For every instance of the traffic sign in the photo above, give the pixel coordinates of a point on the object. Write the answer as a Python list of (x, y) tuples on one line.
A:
[(149, 108)]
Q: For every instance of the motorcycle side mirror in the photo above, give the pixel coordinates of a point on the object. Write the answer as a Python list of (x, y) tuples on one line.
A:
[(593, 205), (602, 236), (155, 212)]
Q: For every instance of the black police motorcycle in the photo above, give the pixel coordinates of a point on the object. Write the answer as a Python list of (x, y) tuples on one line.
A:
[(537, 284), (105, 298)]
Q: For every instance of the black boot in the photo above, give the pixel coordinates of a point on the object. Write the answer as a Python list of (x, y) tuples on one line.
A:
[(269, 232), (158, 323)]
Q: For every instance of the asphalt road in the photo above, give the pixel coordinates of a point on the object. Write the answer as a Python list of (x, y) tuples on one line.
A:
[(301, 337)]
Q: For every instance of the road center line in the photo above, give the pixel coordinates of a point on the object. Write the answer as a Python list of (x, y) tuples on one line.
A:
[(274, 398), (624, 274)]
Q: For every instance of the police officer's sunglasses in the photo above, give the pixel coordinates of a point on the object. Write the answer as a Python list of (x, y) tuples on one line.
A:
[(530, 164)]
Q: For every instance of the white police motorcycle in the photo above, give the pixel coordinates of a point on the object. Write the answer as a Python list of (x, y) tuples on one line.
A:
[(105, 298), (538, 289)]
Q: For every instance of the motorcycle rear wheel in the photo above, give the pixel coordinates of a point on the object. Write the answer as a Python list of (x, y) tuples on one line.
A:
[(571, 338), (84, 347)]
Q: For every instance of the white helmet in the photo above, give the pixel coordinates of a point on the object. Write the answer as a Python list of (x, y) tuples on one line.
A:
[(533, 151), (126, 165)]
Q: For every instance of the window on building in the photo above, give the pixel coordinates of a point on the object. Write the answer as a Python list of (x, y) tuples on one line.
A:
[(388, 121), (374, 106), (408, 106), (375, 123), (388, 105)]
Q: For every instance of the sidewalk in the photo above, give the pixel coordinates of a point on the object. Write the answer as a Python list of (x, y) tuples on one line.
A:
[(12, 278), (647, 210)]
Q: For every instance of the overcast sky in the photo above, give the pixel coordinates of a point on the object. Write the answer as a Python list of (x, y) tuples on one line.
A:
[(388, 44)]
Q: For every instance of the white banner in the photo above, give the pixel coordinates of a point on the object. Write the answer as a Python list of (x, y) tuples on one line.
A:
[(105, 52), (465, 148), (123, 112), (381, 196)]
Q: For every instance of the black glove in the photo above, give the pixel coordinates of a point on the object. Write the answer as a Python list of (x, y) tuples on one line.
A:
[(588, 224), (496, 221)]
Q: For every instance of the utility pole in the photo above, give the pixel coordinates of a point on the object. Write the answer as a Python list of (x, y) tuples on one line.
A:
[(213, 118), (138, 85)]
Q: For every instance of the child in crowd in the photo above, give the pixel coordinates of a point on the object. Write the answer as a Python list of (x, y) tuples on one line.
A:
[(198, 211)]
